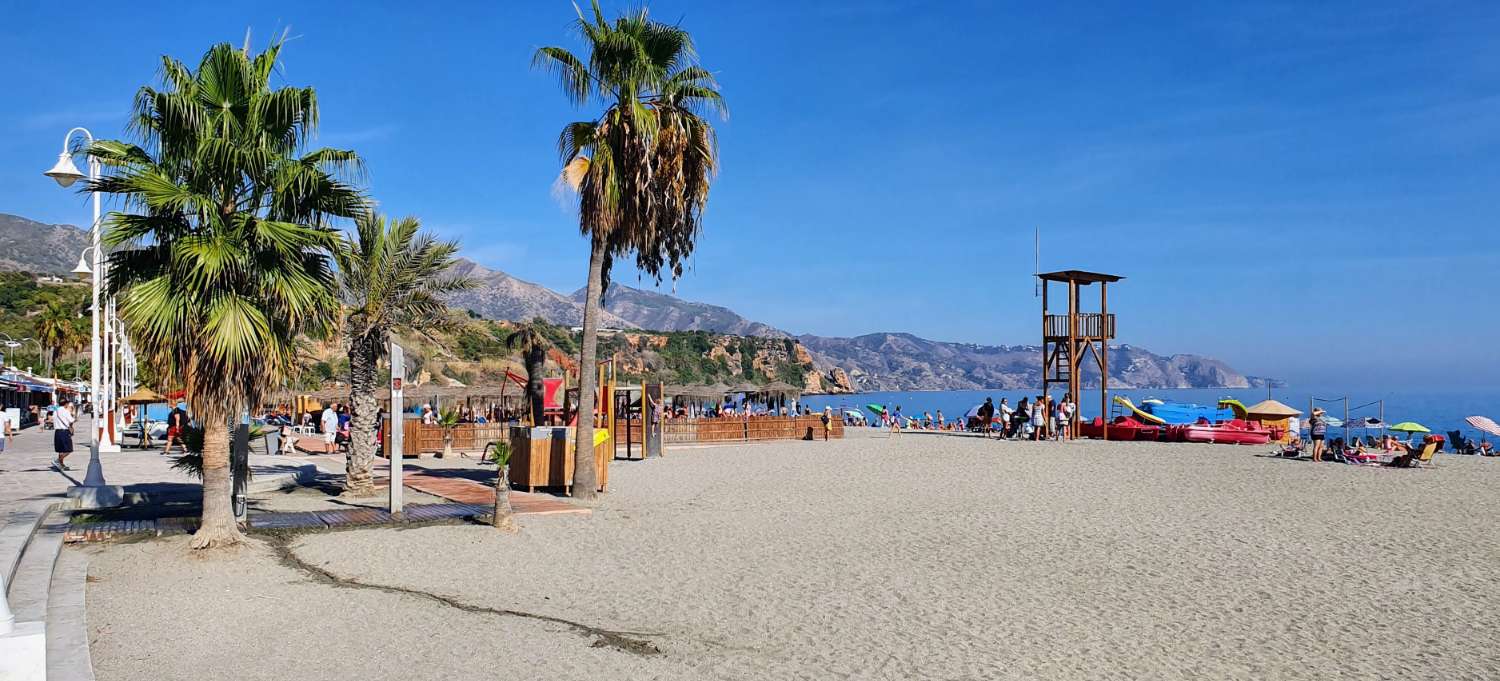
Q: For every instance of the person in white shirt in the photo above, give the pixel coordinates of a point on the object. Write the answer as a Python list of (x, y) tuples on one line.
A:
[(330, 423), (5, 431), (62, 435)]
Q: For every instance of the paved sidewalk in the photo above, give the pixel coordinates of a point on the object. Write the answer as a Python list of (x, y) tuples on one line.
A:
[(26, 475)]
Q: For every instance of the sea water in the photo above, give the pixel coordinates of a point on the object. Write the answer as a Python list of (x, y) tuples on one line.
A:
[(1440, 411)]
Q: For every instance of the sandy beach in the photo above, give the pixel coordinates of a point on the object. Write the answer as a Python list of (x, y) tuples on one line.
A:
[(921, 557)]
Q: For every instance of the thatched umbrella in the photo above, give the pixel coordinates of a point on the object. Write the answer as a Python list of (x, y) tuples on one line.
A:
[(143, 395), (781, 388)]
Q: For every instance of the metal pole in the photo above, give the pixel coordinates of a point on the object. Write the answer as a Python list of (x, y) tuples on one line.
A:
[(397, 424), (99, 439)]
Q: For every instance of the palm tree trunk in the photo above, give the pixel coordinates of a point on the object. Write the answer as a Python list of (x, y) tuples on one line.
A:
[(364, 352), (585, 478), (503, 519), (535, 360), (217, 527)]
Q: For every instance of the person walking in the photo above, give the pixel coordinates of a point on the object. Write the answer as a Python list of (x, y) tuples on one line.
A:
[(1065, 417), (1317, 426), (897, 421), (329, 421), (62, 435), (827, 422), (987, 417), (6, 432), (1039, 414), (176, 424)]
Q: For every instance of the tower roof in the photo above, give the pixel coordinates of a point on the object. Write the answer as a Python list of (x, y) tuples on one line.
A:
[(1079, 276)]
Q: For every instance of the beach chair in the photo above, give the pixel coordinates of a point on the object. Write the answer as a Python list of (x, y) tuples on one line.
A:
[(1461, 445), (1416, 458)]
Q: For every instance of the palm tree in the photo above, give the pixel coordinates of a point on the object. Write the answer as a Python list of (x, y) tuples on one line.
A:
[(226, 258), (503, 517), (55, 330), (529, 339), (391, 279), (641, 169)]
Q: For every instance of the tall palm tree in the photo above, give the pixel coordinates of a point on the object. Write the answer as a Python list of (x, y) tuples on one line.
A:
[(641, 169), (226, 257), (55, 330), (533, 344), (391, 280)]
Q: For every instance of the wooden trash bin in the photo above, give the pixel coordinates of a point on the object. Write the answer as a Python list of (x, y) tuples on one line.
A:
[(543, 457)]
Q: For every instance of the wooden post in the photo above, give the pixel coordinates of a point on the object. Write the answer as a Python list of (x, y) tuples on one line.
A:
[(1108, 332)]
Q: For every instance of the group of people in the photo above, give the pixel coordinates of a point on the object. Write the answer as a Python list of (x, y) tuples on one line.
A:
[(1040, 419)]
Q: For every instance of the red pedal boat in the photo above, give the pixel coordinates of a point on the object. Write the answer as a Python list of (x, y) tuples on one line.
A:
[(1122, 428), (1234, 431)]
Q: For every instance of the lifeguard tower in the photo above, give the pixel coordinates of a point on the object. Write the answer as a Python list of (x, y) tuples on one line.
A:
[(1066, 338)]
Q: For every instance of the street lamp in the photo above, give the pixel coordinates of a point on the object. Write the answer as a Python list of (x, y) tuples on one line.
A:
[(97, 494)]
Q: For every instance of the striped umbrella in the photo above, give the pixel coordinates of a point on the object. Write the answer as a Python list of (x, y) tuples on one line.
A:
[(1485, 424)]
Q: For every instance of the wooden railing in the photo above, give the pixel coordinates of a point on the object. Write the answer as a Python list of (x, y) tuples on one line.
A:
[(1090, 325)]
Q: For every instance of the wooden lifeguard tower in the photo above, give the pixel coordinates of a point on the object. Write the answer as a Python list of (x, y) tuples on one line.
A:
[(1066, 338)]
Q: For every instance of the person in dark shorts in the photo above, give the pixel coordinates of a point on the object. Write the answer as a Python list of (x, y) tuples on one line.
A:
[(1317, 426), (176, 423), (62, 435), (987, 416)]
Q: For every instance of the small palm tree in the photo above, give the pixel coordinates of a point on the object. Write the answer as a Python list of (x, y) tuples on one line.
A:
[(641, 169), (447, 419), (391, 280), (533, 344), (226, 257), (503, 517)]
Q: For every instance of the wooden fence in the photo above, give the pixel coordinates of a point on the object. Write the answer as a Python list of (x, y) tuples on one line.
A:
[(422, 438), (740, 429), (471, 438)]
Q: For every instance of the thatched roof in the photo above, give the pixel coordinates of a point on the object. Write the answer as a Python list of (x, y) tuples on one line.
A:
[(779, 388), (1271, 409)]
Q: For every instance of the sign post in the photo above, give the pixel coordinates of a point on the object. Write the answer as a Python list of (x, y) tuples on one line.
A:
[(397, 425)]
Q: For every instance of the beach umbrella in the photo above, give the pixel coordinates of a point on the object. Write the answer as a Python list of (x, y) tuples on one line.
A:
[(1484, 424), (1410, 427), (854, 414), (878, 410), (143, 395)]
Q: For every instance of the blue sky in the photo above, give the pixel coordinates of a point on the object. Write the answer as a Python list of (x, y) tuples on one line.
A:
[(1305, 192)]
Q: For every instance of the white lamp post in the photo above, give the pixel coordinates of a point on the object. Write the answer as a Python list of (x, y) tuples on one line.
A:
[(100, 438)]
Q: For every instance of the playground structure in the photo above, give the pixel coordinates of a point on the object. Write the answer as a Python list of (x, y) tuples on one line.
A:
[(1067, 338)]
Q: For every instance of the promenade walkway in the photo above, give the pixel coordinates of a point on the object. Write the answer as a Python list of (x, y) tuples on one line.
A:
[(26, 475)]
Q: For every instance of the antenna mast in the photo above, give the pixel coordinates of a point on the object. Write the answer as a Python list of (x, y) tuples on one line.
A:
[(1036, 269)]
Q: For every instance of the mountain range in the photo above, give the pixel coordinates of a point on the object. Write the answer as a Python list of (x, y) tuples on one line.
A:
[(877, 361), (36, 247)]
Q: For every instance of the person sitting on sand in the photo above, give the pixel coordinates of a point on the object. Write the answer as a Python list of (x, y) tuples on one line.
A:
[(1486, 449), (941, 423)]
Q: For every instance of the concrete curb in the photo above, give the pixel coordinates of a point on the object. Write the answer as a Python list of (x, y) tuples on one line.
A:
[(68, 656), (305, 473)]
